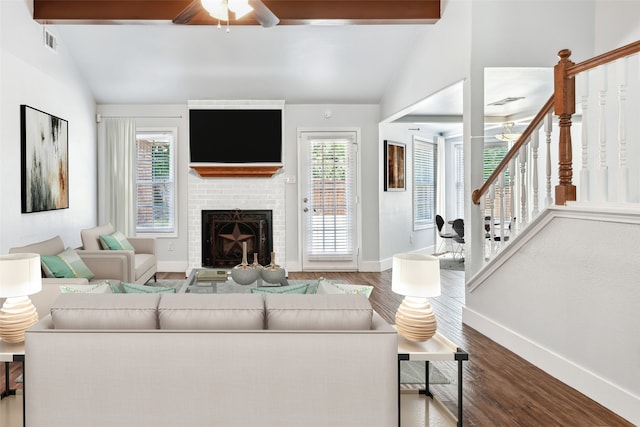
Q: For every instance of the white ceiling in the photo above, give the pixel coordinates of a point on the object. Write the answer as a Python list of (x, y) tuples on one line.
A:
[(300, 64), (170, 64)]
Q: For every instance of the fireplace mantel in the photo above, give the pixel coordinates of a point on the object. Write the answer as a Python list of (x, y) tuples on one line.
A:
[(206, 170)]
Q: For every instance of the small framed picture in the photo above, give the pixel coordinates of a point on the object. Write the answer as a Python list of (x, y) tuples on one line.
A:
[(394, 166)]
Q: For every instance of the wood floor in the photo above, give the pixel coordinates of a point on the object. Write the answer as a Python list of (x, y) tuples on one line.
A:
[(500, 388)]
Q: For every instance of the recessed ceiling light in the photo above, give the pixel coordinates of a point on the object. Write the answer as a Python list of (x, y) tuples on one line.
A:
[(506, 100)]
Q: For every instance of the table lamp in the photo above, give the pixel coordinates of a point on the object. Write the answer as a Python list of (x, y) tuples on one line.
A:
[(416, 276), (19, 277)]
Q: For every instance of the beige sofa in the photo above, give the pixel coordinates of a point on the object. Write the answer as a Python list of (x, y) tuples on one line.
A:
[(211, 360), (112, 268), (141, 265)]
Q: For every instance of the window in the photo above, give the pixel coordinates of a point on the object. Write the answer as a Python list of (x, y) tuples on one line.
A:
[(493, 155), (155, 181), (424, 183)]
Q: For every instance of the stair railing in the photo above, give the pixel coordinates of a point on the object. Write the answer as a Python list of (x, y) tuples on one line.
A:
[(519, 173)]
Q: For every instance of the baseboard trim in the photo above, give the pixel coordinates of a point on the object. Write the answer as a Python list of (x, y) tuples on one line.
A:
[(599, 389), (173, 266)]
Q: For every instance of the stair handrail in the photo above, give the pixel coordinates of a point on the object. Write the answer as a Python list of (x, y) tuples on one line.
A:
[(563, 101), (537, 120)]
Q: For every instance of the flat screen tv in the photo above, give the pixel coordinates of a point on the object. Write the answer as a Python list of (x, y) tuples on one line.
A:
[(235, 136)]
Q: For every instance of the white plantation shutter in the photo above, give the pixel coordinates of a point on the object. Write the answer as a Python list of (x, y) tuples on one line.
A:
[(331, 207), (155, 182), (424, 183)]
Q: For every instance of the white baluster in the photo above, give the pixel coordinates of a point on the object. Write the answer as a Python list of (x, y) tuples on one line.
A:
[(534, 171), (492, 202), (523, 184), (623, 172), (584, 172), (502, 207), (603, 172), (548, 121), (512, 190)]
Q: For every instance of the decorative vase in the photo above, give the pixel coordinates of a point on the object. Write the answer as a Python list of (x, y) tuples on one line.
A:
[(255, 264), (243, 273), (273, 273)]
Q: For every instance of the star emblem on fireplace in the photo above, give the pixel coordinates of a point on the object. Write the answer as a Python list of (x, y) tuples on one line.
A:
[(235, 239)]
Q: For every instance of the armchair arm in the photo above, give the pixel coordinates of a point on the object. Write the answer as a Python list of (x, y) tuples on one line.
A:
[(106, 264), (143, 245)]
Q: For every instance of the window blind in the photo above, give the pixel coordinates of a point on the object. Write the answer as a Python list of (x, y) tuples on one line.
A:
[(155, 182), (331, 210), (424, 183)]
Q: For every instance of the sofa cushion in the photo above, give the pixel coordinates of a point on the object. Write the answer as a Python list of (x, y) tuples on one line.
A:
[(289, 289), (66, 264), (143, 263), (100, 288), (329, 287), (52, 246), (318, 312), (211, 311), (91, 236), (105, 311), (135, 288), (115, 241)]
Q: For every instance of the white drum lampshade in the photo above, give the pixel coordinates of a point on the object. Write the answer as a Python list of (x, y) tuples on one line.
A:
[(417, 277), (19, 277)]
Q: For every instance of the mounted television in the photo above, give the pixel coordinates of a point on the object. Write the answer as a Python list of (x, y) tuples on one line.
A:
[(235, 135)]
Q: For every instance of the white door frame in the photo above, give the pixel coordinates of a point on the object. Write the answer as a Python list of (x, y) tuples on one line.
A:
[(302, 175)]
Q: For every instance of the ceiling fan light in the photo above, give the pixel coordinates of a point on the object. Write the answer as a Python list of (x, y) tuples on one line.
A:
[(217, 9), (240, 7)]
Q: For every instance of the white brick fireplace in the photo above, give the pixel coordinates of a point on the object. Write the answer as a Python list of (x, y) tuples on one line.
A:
[(235, 193)]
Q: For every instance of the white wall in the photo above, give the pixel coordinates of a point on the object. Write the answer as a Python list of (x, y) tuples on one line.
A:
[(365, 117), (33, 75), (398, 234), (569, 308)]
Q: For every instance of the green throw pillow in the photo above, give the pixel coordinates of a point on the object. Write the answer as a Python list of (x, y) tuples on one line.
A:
[(134, 288), (290, 289), (115, 242), (66, 264)]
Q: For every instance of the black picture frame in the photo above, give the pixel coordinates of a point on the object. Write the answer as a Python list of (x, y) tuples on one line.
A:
[(394, 166), (44, 161)]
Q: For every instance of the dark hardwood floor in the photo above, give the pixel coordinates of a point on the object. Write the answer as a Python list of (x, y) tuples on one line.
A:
[(500, 388)]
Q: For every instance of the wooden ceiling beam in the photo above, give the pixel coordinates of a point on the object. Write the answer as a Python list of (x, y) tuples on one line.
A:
[(290, 12)]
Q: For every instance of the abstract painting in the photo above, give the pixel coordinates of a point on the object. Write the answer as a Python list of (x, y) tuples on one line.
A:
[(45, 164)]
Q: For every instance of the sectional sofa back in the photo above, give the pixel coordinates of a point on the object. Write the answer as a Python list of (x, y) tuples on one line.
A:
[(211, 312)]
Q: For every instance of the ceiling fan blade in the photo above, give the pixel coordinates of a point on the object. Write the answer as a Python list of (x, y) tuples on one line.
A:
[(263, 14), (188, 13)]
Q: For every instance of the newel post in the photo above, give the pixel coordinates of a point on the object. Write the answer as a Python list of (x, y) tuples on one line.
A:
[(564, 108)]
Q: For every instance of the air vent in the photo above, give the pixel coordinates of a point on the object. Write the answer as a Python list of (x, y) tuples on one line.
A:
[(50, 40), (506, 101)]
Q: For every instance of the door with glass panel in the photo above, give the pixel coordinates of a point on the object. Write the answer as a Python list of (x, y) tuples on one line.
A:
[(328, 191)]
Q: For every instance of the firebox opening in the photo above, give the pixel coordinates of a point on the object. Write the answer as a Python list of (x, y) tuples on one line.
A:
[(224, 231)]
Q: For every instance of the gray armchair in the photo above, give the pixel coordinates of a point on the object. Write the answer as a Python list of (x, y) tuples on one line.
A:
[(140, 265)]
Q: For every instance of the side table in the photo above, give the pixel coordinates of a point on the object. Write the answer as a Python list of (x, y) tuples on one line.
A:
[(437, 348), (12, 353)]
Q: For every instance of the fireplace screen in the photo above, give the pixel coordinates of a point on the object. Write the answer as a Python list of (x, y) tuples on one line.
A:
[(224, 231)]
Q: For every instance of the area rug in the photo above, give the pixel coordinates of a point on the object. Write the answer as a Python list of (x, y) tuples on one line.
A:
[(448, 263), (412, 372)]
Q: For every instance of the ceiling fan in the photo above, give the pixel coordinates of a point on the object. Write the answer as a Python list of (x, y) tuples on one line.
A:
[(220, 9)]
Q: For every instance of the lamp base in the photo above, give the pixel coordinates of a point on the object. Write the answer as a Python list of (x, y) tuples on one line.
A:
[(16, 315), (415, 319)]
